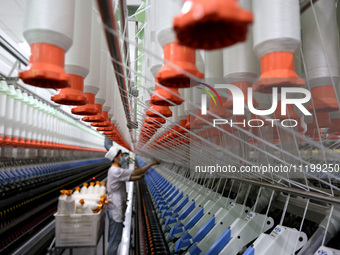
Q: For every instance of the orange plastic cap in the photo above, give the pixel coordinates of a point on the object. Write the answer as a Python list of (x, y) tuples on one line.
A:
[(335, 125), (290, 112), (46, 67), (152, 125), (88, 109), (182, 124), (69, 192), (73, 95), (63, 192), (277, 70), (91, 183), (82, 201), (324, 99), (243, 85), (104, 128), (187, 125), (103, 184), (77, 188), (182, 57), (218, 109), (323, 120), (101, 124), (85, 184), (156, 110), (212, 24), (151, 120), (96, 118), (164, 97), (199, 120)]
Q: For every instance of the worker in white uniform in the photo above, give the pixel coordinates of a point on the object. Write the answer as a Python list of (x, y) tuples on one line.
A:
[(116, 195)]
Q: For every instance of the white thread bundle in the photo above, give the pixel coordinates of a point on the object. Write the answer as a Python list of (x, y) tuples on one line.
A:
[(115, 101), (180, 108), (109, 83), (214, 69), (174, 118), (213, 64), (24, 116), (145, 99), (196, 96), (148, 77), (91, 83), (166, 10), (121, 122), (77, 60), (200, 62), (101, 95), (17, 113), (321, 44), (9, 111), (276, 26), (239, 60), (49, 21), (155, 23), (188, 98)]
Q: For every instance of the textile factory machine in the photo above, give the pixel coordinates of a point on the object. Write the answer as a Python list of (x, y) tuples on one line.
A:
[(238, 100)]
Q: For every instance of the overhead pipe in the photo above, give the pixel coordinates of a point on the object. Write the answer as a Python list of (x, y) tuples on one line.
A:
[(108, 18)]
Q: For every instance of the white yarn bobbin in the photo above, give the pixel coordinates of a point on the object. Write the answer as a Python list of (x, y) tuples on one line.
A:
[(101, 95), (48, 28), (321, 54), (239, 60), (155, 21), (49, 21), (91, 83), (213, 64), (109, 88), (77, 60), (276, 27), (180, 108), (276, 34), (166, 10), (187, 99)]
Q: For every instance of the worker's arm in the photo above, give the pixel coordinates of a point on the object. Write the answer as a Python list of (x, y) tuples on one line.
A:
[(136, 177), (143, 169)]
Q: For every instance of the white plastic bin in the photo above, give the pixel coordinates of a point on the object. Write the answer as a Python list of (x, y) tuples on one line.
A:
[(78, 229)]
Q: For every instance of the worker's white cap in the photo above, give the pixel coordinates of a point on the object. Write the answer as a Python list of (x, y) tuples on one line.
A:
[(112, 153)]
